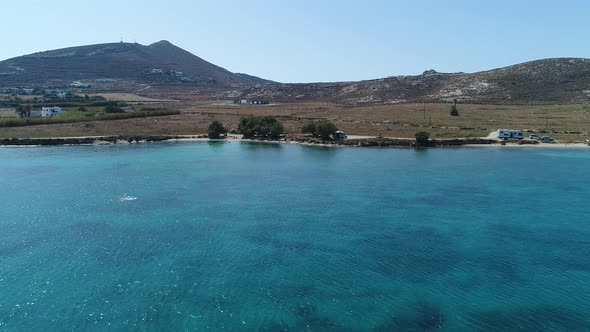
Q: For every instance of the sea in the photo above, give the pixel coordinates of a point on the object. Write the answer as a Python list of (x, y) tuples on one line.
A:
[(239, 236)]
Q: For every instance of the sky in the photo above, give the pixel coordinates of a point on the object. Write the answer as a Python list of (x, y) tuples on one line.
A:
[(313, 41)]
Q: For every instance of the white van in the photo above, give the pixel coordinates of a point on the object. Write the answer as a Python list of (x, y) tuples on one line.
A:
[(510, 133)]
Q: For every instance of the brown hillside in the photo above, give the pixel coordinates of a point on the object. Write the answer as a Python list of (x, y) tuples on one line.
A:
[(158, 63), (562, 80)]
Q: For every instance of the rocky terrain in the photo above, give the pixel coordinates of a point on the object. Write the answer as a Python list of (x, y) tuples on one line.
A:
[(559, 81)]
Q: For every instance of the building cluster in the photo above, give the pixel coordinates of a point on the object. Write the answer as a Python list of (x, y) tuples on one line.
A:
[(251, 102)]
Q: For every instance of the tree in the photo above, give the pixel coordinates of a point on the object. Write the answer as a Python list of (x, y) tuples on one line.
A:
[(82, 109), (247, 126), (274, 129), (422, 138), (454, 110), (28, 110), (24, 111), (325, 129), (113, 107), (260, 126), (20, 110), (309, 128), (216, 129)]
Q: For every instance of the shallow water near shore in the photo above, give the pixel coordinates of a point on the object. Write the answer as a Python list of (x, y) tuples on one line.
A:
[(278, 237)]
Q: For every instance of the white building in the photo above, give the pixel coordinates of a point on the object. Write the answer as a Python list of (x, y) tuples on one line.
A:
[(47, 112), (251, 102), (77, 84)]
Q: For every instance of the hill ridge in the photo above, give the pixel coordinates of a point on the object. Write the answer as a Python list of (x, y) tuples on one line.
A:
[(169, 69), (158, 63), (551, 80)]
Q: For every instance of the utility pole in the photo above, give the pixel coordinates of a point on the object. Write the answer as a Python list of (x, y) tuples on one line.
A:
[(424, 104), (546, 122)]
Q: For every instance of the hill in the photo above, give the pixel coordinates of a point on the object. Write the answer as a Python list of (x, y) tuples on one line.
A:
[(560, 80), (169, 70), (158, 63)]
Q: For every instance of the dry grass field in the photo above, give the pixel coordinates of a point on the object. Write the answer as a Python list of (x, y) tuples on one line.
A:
[(129, 97), (7, 113), (566, 123)]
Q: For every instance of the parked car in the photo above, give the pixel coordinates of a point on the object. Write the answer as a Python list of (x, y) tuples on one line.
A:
[(534, 137), (546, 139), (587, 141), (340, 135)]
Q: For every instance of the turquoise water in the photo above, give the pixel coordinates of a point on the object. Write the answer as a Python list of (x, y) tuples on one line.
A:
[(268, 237)]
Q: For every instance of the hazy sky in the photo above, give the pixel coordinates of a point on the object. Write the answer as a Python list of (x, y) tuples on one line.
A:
[(304, 41)]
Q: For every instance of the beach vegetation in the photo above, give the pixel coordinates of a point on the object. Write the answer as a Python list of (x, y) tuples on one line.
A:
[(216, 130), (422, 139), (323, 128), (309, 128), (260, 126)]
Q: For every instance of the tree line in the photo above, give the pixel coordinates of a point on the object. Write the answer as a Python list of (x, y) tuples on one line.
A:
[(269, 127)]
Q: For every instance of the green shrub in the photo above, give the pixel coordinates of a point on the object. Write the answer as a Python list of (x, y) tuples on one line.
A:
[(113, 108), (308, 128), (454, 110), (422, 138), (260, 126), (325, 129), (216, 129)]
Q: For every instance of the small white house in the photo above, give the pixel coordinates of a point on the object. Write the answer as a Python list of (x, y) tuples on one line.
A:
[(47, 112)]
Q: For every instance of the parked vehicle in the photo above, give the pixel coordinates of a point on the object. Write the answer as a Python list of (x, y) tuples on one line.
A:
[(510, 133), (534, 137), (546, 139), (340, 135)]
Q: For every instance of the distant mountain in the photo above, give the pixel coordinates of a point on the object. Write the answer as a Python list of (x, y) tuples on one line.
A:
[(158, 63), (560, 80)]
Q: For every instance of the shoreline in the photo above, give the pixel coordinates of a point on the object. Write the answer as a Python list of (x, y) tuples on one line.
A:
[(355, 142)]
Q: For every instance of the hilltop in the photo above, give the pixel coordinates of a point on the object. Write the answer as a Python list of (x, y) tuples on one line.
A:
[(158, 63), (559, 80), (164, 70)]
